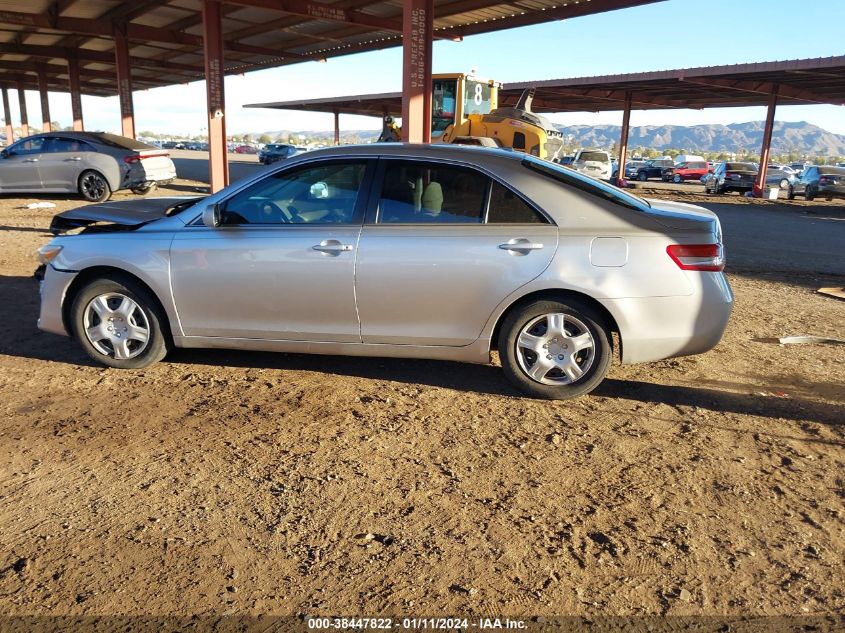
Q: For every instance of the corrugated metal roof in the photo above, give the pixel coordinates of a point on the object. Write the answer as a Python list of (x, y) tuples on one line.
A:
[(799, 82)]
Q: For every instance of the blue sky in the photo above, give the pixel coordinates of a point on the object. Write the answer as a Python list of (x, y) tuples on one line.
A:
[(664, 35)]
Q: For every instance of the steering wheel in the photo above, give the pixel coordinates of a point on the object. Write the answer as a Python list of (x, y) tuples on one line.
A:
[(271, 213)]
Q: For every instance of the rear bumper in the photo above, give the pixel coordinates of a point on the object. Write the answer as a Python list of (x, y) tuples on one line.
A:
[(831, 191), (53, 289), (654, 328)]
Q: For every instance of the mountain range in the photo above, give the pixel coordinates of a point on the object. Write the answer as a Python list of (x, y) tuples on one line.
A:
[(801, 137)]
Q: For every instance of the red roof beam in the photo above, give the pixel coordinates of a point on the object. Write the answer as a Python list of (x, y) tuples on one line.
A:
[(139, 32), (763, 88), (88, 55), (331, 13)]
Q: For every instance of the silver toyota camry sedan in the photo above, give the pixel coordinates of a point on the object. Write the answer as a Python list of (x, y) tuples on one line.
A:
[(412, 251)]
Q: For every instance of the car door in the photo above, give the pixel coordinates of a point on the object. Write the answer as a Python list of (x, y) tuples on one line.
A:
[(443, 245), (62, 162), (19, 165), (807, 177), (281, 264)]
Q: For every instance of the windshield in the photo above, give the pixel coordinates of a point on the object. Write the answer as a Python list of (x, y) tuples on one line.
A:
[(585, 183), (443, 105)]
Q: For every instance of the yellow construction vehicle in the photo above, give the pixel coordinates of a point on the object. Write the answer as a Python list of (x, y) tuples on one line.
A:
[(464, 109)]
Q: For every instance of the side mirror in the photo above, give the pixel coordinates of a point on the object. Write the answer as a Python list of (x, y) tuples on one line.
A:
[(211, 216)]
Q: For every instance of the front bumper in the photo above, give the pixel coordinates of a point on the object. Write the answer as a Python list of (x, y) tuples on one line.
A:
[(53, 288)]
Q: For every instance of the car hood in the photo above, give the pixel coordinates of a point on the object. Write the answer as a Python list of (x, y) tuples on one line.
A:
[(117, 215), (682, 216)]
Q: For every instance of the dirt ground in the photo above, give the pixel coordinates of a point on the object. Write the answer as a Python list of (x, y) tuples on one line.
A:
[(245, 483)]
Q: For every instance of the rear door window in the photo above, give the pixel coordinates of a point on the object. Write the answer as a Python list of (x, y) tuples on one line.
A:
[(424, 193), (56, 145), (506, 207)]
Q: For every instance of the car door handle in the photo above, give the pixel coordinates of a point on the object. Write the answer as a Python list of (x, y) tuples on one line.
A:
[(332, 247), (30, 160), (75, 158), (520, 245)]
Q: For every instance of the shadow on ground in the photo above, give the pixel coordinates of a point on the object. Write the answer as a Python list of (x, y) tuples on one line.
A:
[(20, 337)]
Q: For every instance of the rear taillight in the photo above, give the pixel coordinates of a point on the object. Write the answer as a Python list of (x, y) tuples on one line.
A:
[(824, 180), (704, 257), (135, 158)]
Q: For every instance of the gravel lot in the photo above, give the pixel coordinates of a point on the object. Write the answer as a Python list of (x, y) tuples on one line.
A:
[(247, 483)]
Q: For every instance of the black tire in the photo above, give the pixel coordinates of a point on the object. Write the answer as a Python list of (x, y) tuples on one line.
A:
[(677, 179), (809, 194), (148, 312), (790, 193), (784, 183), (642, 176), (93, 186), (586, 316)]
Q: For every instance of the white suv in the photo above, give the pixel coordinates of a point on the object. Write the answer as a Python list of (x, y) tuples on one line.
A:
[(593, 162)]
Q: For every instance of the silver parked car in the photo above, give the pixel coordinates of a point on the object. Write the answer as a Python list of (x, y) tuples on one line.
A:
[(413, 251), (92, 163)]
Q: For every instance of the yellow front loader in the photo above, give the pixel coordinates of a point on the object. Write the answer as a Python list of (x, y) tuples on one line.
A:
[(464, 109)]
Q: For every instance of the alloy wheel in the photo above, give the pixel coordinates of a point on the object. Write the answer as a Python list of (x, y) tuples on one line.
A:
[(93, 186)]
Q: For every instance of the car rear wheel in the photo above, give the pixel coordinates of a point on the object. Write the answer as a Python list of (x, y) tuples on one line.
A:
[(119, 324), (642, 177), (790, 193), (809, 194), (555, 350), (677, 179), (94, 187), (784, 183)]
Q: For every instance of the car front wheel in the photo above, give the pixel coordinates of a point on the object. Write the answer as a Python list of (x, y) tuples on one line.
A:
[(555, 350), (119, 324), (642, 177), (677, 179), (94, 187)]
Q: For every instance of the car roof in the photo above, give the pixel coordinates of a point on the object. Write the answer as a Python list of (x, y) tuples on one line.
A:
[(436, 151)]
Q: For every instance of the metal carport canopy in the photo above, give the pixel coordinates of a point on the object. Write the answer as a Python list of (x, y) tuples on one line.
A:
[(800, 82)]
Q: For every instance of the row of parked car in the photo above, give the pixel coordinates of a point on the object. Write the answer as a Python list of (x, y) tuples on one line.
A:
[(797, 179), (814, 181)]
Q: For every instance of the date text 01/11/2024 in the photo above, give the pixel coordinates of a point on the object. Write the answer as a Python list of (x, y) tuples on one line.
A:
[(448, 624)]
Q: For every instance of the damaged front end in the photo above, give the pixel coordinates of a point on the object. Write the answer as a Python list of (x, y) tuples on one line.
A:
[(119, 216)]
